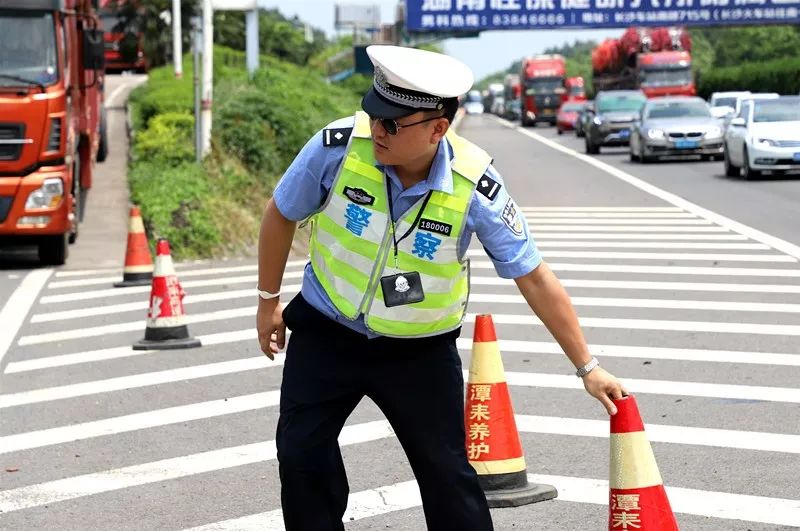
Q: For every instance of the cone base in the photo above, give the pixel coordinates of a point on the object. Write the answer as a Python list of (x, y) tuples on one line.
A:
[(134, 279), (167, 344), (531, 493)]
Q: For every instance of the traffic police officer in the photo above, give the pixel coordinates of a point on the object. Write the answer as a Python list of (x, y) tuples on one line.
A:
[(394, 199)]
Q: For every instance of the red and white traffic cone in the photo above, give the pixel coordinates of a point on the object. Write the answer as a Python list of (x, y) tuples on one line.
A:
[(493, 446), (637, 499), (166, 321), (138, 269)]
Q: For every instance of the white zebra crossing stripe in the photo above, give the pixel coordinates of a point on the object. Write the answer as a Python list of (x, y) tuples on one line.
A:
[(137, 421), (720, 257), (15, 309), (653, 285), (405, 495), (665, 387), (544, 235), (532, 214), (657, 324), (181, 274), (662, 387), (166, 469), (613, 221), (536, 227), (600, 209), (662, 270), (546, 244)]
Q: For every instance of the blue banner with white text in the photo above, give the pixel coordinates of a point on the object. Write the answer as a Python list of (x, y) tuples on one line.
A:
[(472, 15)]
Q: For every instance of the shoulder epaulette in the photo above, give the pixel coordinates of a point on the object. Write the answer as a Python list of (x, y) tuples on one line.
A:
[(336, 137)]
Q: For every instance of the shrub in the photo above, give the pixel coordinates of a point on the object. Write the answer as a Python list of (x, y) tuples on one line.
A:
[(781, 76), (168, 139)]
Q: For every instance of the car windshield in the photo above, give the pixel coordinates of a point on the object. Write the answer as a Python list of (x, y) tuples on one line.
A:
[(111, 23), (665, 77), (28, 52), (626, 103), (474, 97), (572, 107), (576, 90), (544, 85), (779, 110), (678, 109), (725, 102)]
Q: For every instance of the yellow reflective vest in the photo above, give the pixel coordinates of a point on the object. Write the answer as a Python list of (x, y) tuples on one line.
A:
[(352, 246)]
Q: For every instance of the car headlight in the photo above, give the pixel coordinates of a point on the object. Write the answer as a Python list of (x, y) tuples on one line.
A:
[(766, 142), (655, 134), (49, 195), (597, 120), (714, 132)]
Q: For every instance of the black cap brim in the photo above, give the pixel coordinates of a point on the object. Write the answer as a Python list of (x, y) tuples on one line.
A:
[(379, 107)]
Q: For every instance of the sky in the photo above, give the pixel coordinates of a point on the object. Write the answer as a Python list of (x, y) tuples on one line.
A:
[(486, 54)]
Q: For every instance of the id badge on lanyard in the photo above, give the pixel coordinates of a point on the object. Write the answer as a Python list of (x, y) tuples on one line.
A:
[(402, 288)]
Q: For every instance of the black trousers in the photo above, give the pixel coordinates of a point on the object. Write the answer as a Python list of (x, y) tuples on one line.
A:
[(418, 385)]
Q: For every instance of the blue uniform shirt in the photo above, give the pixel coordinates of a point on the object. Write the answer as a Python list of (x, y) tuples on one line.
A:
[(498, 222)]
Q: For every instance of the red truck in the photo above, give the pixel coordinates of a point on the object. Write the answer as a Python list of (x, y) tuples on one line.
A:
[(51, 102), (542, 78), (576, 91), (124, 48), (657, 60)]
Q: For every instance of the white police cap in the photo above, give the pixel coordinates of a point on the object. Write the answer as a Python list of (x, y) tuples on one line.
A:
[(408, 80)]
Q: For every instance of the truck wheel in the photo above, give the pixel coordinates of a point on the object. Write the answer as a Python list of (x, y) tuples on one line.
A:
[(53, 250), (730, 169), (77, 196), (102, 150)]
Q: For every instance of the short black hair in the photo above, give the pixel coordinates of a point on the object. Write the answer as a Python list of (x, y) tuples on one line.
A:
[(450, 107)]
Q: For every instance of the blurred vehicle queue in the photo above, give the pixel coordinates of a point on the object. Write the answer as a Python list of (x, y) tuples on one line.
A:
[(752, 133)]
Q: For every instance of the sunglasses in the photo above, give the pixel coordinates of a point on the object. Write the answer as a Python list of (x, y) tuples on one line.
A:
[(392, 127)]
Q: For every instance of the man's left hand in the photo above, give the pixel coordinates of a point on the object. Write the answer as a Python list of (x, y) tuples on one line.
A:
[(604, 386)]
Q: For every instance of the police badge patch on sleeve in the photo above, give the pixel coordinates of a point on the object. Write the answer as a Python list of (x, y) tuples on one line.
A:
[(488, 187), (336, 137), (511, 217)]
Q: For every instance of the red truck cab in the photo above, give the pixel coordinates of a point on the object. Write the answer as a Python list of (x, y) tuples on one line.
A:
[(576, 90), (667, 73), (542, 78), (124, 49), (51, 97)]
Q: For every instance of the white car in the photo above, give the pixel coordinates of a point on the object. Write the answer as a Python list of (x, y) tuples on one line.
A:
[(737, 107), (764, 137), (724, 103)]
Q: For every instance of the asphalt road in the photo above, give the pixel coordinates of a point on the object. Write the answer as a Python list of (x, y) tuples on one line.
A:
[(698, 311)]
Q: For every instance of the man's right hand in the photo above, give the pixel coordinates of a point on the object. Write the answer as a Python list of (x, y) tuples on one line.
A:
[(270, 326)]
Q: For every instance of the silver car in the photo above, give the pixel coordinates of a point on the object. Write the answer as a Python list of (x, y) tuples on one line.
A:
[(678, 125)]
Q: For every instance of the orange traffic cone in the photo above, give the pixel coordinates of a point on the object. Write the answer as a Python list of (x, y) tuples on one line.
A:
[(637, 499), (166, 327), (493, 446), (138, 269)]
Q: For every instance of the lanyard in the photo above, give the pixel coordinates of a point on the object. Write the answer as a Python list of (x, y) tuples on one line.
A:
[(391, 218)]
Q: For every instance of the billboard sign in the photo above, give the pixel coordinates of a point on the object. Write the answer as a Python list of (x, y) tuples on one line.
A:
[(357, 15), (472, 15)]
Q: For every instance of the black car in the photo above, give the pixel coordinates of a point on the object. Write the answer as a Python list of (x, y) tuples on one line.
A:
[(611, 118)]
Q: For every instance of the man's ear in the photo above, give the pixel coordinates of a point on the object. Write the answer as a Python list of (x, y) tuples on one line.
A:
[(440, 128)]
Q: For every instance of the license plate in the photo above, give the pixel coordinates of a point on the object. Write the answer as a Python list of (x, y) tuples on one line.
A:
[(686, 144), (625, 133), (796, 157), (547, 112)]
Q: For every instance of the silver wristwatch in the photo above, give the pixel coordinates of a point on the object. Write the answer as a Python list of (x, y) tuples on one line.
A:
[(586, 369)]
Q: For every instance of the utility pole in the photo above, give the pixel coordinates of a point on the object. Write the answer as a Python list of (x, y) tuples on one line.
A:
[(206, 88), (177, 52), (251, 20), (197, 44)]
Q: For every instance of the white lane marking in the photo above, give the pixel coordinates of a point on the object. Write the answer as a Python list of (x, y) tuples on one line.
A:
[(648, 285), (138, 421), (742, 440), (755, 234), (635, 224), (535, 228), (532, 214), (16, 308), (166, 469), (711, 504), (61, 360), (651, 245), (110, 101), (668, 325), (661, 270), (600, 209), (139, 380), (181, 267), (719, 257), (134, 306), (740, 392), (405, 495), (653, 353), (130, 326), (181, 274), (544, 235), (612, 302), (661, 387)]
